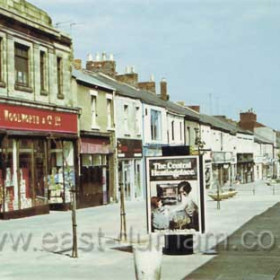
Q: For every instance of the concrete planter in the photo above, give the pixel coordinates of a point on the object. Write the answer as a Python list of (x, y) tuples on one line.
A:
[(147, 263)]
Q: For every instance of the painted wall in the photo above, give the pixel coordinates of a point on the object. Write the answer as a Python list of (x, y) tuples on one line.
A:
[(84, 101), (128, 118), (175, 123), (147, 125)]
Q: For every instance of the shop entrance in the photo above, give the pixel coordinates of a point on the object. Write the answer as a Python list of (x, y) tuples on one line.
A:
[(94, 180)]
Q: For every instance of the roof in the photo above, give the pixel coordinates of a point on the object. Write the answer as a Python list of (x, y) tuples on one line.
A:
[(260, 139), (83, 76), (223, 124), (146, 97)]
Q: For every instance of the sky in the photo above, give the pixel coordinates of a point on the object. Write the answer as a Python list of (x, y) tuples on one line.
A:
[(222, 55)]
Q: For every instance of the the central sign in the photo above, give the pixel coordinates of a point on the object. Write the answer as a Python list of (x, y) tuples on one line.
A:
[(174, 194)]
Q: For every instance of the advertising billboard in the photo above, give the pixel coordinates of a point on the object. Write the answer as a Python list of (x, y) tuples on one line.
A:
[(175, 194)]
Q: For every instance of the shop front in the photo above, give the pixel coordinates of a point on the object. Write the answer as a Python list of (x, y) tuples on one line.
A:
[(130, 168), (37, 165), (245, 168), (95, 158), (222, 169)]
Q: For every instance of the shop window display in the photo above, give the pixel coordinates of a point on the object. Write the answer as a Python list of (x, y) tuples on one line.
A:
[(22, 170), (61, 178)]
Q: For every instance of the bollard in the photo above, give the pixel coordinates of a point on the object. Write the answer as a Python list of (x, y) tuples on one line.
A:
[(147, 263)]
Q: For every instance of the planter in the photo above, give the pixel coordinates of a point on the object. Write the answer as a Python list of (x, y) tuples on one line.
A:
[(223, 195), (147, 263)]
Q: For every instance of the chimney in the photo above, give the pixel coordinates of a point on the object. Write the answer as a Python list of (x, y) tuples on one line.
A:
[(248, 120), (195, 108), (77, 63), (130, 77), (148, 86), (163, 90), (102, 65)]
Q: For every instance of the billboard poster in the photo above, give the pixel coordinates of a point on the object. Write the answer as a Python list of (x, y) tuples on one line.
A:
[(174, 194)]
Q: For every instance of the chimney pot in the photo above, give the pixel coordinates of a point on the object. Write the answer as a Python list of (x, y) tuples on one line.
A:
[(111, 58), (97, 57), (104, 58), (89, 57)]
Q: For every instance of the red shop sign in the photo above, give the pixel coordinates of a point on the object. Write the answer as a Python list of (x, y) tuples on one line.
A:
[(34, 119)]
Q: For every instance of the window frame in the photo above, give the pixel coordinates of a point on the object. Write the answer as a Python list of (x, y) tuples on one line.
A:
[(22, 60), (59, 72), (43, 72)]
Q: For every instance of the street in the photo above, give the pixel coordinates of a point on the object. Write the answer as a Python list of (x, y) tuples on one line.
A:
[(39, 247)]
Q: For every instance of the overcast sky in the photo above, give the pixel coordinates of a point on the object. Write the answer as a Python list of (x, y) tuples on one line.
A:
[(222, 55)]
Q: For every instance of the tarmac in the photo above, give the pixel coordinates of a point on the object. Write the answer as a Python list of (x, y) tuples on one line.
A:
[(241, 242)]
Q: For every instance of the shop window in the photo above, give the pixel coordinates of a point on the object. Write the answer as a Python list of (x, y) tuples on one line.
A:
[(22, 65), (43, 72), (155, 125), (7, 190), (59, 70), (62, 175)]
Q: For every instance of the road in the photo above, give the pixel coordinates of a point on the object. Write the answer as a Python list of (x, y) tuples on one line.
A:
[(40, 247)]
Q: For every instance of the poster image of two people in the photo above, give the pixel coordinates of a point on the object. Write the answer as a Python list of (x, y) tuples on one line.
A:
[(174, 208)]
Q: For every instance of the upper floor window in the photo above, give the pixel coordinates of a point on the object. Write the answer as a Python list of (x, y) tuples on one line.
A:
[(181, 131), (109, 113), (43, 71), (1, 57), (137, 120), (155, 125), (93, 111), (125, 110), (189, 135), (59, 78), (22, 65), (172, 131)]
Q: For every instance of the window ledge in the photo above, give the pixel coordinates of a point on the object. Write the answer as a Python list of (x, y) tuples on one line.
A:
[(60, 96), (2, 84), (44, 92), (95, 127), (127, 135), (23, 88), (111, 128)]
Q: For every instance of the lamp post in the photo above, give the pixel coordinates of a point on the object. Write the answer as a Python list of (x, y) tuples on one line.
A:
[(198, 141)]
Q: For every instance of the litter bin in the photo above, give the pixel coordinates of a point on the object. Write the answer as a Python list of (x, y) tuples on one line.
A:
[(147, 262)]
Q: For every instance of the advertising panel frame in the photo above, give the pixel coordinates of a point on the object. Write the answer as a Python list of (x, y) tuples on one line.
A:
[(170, 171)]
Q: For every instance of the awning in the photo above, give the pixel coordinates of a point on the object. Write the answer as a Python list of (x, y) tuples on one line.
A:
[(95, 146)]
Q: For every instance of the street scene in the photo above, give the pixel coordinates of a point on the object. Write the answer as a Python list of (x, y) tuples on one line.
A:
[(44, 247), (169, 169)]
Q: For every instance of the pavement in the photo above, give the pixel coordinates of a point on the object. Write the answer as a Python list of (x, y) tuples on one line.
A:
[(241, 242)]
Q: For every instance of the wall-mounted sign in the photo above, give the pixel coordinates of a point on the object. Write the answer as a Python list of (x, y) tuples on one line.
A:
[(129, 148), (245, 158), (175, 194), (35, 119)]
